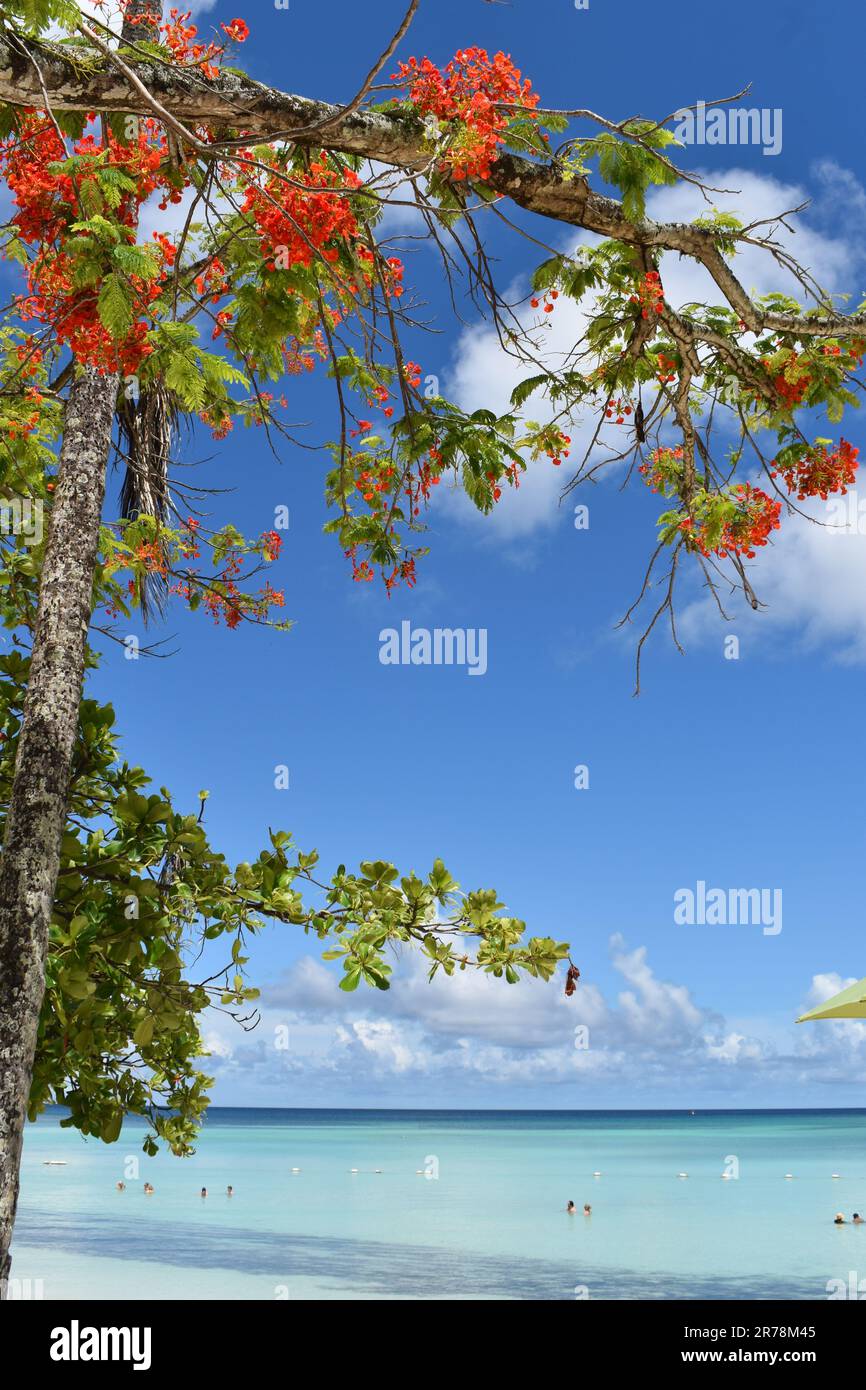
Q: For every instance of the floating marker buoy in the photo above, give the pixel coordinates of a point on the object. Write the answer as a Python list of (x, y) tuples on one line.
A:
[(835, 1175), (354, 1170), (296, 1170), (682, 1175), (789, 1176), (596, 1175)]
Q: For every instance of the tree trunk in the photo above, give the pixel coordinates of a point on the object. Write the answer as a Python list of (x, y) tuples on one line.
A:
[(38, 802)]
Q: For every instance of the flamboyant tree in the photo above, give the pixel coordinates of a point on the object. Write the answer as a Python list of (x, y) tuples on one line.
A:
[(276, 269), (140, 892)]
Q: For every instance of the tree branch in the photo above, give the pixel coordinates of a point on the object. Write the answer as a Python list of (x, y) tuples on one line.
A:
[(233, 103)]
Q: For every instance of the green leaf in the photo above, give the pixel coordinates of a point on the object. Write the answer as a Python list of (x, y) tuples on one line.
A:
[(136, 260), (115, 306), (143, 1034)]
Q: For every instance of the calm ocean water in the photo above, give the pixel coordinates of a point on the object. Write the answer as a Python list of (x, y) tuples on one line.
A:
[(468, 1204)]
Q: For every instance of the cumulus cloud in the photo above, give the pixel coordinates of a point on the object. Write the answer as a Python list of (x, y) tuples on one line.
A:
[(472, 1032), (653, 1010), (733, 1048)]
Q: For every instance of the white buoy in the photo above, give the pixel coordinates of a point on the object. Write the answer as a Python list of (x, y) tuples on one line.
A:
[(596, 1175), (54, 1163), (377, 1170), (420, 1170), (682, 1175), (789, 1176), (835, 1175), (726, 1177), (354, 1170), (296, 1170)]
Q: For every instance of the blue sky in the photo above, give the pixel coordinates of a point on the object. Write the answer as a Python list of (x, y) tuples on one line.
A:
[(740, 773)]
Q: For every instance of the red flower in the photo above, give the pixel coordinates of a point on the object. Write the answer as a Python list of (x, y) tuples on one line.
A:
[(238, 30)]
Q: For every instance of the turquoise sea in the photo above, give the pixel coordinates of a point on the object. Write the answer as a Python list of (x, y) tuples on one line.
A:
[(450, 1204)]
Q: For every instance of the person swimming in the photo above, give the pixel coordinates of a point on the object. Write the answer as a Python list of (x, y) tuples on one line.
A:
[(571, 1208), (857, 1219), (204, 1192), (230, 1192), (121, 1186), (839, 1219), (587, 1209), (148, 1189)]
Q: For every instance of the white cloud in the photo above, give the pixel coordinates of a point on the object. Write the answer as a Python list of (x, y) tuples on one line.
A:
[(652, 1008), (217, 1046), (382, 1039), (825, 986), (733, 1048), (469, 1005), (170, 222), (472, 1031)]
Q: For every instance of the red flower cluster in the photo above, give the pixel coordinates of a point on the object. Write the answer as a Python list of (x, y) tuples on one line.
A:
[(664, 467), (272, 544), (557, 449), (179, 37), (617, 410), (418, 486), (791, 381), (237, 29), (404, 572), (667, 369), (305, 217), (373, 480), (853, 349), (22, 427), (650, 295), (49, 202), (757, 516), (212, 282), (549, 297), (152, 556), (820, 471), (222, 597), (475, 92), (362, 570)]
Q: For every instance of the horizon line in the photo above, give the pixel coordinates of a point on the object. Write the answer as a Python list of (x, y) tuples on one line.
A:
[(529, 1110)]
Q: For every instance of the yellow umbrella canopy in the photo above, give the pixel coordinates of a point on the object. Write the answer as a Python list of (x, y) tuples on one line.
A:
[(850, 1003)]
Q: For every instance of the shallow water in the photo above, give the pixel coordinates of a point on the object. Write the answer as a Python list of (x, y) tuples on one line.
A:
[(489, 1221)]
